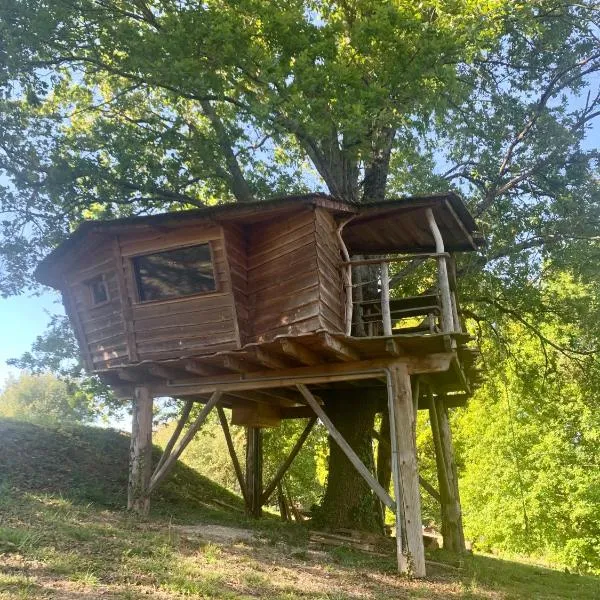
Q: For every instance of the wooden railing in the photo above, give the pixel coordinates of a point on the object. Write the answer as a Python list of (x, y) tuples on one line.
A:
[(439, 309)]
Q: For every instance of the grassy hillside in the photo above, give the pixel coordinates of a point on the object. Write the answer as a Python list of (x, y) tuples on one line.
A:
[(64, 535), (89, 464)]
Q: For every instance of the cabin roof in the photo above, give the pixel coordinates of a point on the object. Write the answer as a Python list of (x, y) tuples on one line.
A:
[(395, 225)]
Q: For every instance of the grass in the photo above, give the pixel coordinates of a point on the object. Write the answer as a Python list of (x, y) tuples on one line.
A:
[(62, 545)]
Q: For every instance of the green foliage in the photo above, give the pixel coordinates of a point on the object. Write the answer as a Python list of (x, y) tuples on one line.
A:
[(302, 480), (529, 440), (207, 453), (45, 398)]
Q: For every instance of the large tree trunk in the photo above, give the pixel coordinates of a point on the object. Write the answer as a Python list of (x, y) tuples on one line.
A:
[(348, 501)]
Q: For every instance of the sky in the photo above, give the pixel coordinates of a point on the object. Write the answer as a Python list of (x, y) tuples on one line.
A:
[(22, 319)]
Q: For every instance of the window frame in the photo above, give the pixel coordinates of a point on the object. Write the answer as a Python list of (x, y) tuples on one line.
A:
[(90, 293), (134, 276)]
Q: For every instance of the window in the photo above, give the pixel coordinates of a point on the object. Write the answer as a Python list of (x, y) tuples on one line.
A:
[(98, 290), (173, 273)]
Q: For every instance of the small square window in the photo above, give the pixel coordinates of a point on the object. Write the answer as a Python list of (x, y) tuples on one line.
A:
[(98, 290)]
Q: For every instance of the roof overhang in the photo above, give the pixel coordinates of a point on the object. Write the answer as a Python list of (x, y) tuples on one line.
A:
[(373, 228)]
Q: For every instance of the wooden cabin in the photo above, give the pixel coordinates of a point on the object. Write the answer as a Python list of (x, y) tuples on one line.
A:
[(259, 307)]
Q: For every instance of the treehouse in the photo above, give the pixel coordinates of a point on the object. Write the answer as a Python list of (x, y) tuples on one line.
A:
[(264, 308)]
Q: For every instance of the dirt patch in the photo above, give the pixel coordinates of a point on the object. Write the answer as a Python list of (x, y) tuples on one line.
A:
[(217, 533)]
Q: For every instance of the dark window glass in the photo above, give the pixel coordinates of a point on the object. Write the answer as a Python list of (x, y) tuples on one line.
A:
[(98, 290), (179, 272)]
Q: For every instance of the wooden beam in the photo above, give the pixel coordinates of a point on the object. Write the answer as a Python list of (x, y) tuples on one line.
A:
[(297, 412), (254, 470), (232, 453), (130, 376), (140, 457), (319, 374), (341, 350), (232, 363), (443, 281), (191, 432), (409, 531), (162, 372), (198, 368), (392, 347), (266, 359), (452, 530), (185, 413), (346, 448), (300, 353), (288, 461)]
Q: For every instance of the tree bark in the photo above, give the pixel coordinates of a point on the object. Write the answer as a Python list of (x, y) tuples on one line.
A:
[(384, 454), (348, 501)]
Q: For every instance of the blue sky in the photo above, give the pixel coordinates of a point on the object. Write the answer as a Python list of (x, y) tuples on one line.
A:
[(22, 319)]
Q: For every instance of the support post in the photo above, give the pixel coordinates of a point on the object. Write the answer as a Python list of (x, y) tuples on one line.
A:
[(254, 456), (232, 453), (346, 448), (185, 413), (385, 300), (288, 461), (443, 281), (409, 530), (452, 527), (140, 456), (169, 463)]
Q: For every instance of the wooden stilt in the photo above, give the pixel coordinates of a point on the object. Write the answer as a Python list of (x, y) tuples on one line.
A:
[(346, 448), (140, 458), (185, 413), (169, 463), (254, 471), (287, 462), (452, 528), (409, 530), (232, 453)]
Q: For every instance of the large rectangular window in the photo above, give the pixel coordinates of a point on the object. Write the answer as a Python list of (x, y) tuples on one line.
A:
[(173, 273)]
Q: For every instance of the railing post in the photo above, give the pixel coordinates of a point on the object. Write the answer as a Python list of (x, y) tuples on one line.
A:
[(443, 282), (385, 300)]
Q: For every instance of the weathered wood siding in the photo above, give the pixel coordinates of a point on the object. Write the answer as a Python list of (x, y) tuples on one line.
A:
[(236, 251), (283, 281), (193, 325), (275, 277), (331, 290), (100, 330)]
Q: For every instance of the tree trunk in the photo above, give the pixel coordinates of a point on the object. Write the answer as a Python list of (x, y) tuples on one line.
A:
[(384, 453), (348, 501)]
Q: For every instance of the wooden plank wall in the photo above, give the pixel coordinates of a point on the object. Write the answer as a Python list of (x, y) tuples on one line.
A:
[(194, 325), (276, 277), (283, 281), (102, 332), (236, 250), (331, 287)]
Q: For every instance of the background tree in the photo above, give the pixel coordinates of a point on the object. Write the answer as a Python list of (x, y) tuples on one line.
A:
[(45, 398), (123, 108)]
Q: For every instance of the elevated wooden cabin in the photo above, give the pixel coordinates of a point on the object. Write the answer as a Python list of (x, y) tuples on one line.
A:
[(246, 305)]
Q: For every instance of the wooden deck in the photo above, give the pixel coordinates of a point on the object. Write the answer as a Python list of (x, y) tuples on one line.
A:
[(266, 373)]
